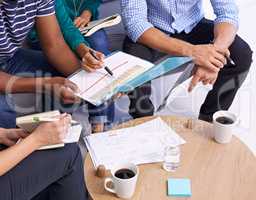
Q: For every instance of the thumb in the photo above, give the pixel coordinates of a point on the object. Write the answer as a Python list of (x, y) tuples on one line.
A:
[(72, 86), (193, 83)]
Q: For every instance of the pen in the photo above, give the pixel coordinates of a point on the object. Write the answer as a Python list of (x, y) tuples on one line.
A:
[(47, 119), (105, 67)]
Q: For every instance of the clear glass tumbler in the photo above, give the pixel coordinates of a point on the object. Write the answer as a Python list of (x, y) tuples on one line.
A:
[(171, 158)]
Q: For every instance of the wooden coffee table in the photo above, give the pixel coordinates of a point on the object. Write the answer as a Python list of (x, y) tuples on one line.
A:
[(217, 172)]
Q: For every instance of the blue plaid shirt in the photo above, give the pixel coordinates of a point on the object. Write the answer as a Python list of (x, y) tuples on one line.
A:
[(172, 16)]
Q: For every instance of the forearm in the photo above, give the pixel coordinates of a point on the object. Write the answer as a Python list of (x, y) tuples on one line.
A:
[(224, 34), (15, 84), (156, 39), (10, 157), (62, 58), (57, 51)]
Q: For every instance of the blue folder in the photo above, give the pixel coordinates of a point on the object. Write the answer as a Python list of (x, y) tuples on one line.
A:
[(158, 70)]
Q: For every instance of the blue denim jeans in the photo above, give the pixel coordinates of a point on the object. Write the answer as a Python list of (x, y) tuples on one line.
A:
[(99, 42), (31, 63)]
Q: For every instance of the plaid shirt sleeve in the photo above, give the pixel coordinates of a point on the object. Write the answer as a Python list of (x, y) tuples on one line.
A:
[(225, 11), (134, 14)]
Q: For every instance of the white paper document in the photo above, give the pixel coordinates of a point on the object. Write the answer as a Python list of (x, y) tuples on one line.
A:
[(99, 86), (140, 144), (73, 134)]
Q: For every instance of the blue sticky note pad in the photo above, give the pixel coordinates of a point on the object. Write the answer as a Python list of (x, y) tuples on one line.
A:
[(179, 187)]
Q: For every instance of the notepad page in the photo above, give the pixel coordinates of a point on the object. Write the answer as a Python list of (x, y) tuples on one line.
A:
[(98, 86)]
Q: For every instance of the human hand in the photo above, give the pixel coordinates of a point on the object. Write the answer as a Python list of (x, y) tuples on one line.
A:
[(83, 19), (203, 75), (9, 137), (62, 88), (50, 133), (210, 56), (89, 62)]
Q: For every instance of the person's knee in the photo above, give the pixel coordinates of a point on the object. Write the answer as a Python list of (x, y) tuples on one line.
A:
[(73, 155), (243, 55)]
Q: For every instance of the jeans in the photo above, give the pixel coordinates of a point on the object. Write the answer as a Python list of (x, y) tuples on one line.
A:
[(51, 174), (99, 41), (229, 80), (31, 63)]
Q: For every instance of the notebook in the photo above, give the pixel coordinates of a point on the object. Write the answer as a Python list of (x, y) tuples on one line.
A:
[(179, 187), (96, 25), (129, 72), (30, 122)]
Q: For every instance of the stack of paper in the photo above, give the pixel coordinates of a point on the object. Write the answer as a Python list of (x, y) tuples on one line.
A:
[(140, 144)]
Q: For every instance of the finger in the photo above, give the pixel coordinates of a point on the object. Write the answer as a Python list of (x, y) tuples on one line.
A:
[(22, 133), (224, 52), (206, 81), (88, 69), (100, 56), (66, 100), (67, 93), (91, 61), (218, 64), (212, 82), (9, 142), (221, 58), (84, 23), (13, 135), (71, 86), (212, 67), (193, 82), (76, 21)]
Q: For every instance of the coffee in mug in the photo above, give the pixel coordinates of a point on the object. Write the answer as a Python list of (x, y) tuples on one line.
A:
[(124, 179), (224, 123)]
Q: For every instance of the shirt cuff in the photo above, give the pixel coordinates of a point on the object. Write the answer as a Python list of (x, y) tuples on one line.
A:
[(76, 43), (135, 31), (232, 21)]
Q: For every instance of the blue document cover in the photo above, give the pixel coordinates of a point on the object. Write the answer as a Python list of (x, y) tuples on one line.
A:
[(159, 70)]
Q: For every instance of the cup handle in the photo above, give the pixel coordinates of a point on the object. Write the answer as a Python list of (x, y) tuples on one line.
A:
[(109, 180)]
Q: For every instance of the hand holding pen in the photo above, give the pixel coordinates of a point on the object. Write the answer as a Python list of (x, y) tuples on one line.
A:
[(93, 53), (91, 62)]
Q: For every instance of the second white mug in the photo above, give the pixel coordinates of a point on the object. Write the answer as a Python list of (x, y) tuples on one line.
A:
[(223, 132)]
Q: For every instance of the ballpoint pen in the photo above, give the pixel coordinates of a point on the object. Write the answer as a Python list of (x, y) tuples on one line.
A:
[(105, 67), (48, 119)]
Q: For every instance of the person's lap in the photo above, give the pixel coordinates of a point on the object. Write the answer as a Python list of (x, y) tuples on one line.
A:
[(60, 170), (203, 34), (99, 42)]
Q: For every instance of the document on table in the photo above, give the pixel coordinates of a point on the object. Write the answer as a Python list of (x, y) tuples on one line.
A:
[(99, 86), (140, 144)]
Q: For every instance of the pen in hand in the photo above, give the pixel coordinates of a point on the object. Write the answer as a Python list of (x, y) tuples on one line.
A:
[(105, 67)]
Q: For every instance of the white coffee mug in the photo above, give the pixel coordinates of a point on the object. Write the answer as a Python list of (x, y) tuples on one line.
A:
[(123, 188), (223, 132)]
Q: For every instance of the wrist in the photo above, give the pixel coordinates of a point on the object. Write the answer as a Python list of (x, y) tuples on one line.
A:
[(81, 50), (221, 44), (188, 50), (35, 141)]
